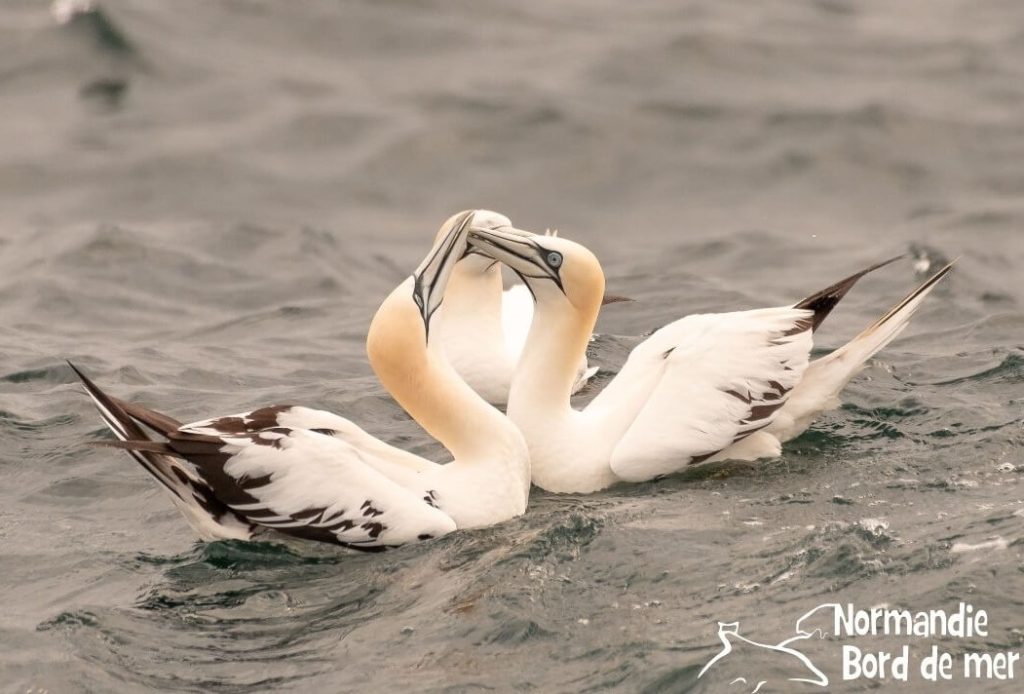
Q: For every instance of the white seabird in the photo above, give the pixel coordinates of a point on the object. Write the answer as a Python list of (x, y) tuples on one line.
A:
[(713, 386), (317, 476)]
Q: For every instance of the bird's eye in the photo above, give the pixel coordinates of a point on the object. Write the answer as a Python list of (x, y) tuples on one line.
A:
[(554, 259)]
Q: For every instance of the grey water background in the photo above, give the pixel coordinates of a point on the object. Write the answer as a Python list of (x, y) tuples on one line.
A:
[(202, 203)]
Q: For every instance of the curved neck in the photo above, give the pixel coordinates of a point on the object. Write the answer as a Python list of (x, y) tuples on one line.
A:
[(547, 369), (422, 381), (473, 296)]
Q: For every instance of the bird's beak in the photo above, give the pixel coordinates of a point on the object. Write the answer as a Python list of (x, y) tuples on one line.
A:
[(431, 277), (615, 299), (516, 249)]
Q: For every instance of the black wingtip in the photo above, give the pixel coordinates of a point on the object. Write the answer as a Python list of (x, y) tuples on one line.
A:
[(822, 302), (78, 372), (112, 404), (89, 385), (128, 412), (140, 446)]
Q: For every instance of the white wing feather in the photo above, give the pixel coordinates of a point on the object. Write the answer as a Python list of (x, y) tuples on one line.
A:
[(302, 480), (398, 465), (705, 382)]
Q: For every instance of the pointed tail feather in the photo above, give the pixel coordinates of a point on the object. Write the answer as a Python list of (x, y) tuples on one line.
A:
[(911, 301), (125, 429), (209, 517), (826, 377), (824, 301), (885, 329)]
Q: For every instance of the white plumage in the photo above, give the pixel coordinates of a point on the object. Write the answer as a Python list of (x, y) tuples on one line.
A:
[(316, 481), (714, 379)]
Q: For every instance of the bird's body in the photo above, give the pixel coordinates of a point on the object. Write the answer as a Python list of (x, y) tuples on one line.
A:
[(705, 387), (317, 476), (659, 413)]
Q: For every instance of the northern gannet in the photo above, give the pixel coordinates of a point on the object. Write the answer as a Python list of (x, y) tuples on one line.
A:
[(485, 328), (317, 476), (710, 386)]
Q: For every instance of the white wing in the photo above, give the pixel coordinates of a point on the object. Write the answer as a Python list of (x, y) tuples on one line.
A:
[(310, 485), (393, 462), (702, 383)]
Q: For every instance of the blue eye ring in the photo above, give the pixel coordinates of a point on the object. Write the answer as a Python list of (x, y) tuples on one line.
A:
[(553, 259)]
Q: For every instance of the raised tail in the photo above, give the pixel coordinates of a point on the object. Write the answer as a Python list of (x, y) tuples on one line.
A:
[(826, 377), (824, 301), (125, 429), (209, 517)]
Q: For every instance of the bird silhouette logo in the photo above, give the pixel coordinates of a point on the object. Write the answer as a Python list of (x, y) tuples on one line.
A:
[(784, 655)]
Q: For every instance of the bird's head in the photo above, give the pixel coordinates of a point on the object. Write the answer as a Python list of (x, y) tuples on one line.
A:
[(557, 270)]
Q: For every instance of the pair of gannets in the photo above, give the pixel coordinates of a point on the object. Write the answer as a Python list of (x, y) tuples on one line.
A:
[(733, 385)]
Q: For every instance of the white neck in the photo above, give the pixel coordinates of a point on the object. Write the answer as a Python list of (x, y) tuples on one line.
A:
[(486, 446), (569, 450), (473, 299), (547, 368), (471, 317)]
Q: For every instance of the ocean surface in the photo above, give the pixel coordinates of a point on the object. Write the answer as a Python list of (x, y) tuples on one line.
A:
[(202, 203)]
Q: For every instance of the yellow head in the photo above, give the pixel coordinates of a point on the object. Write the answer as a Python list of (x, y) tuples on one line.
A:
[(557, 271)]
